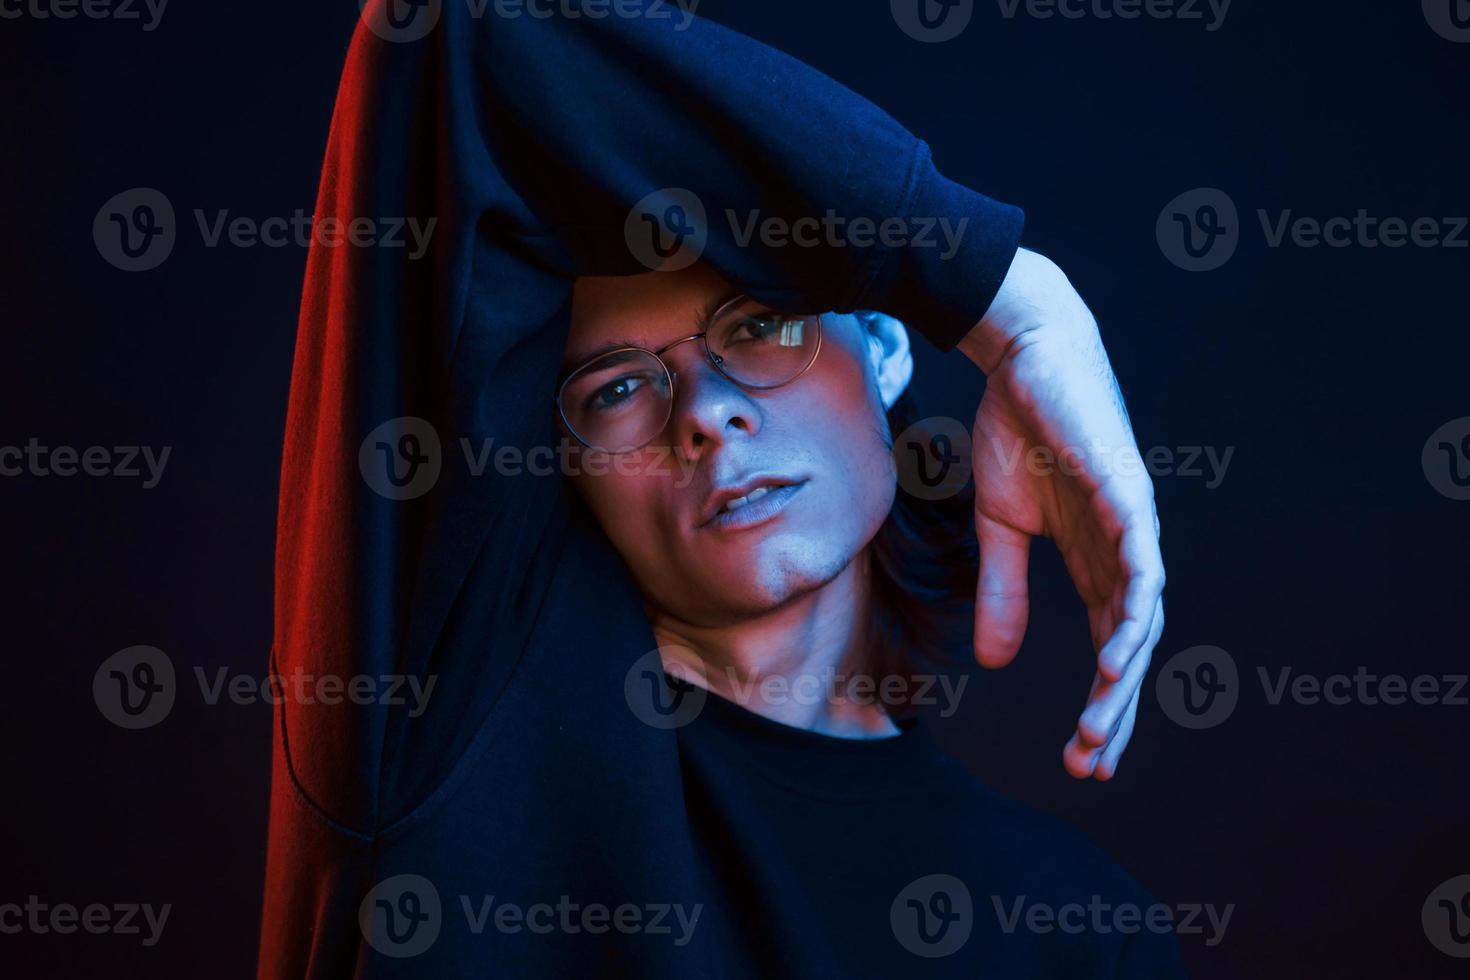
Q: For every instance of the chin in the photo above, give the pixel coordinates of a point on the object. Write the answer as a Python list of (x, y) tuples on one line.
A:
[(769, 579)]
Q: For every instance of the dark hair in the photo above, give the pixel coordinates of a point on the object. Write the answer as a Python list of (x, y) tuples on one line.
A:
[(925, 563)]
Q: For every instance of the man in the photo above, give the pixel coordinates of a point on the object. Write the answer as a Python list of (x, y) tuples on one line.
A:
[(398, 837)]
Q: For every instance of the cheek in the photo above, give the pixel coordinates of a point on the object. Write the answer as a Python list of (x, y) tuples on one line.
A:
[(630, 503), (871, 479), (841, 423)]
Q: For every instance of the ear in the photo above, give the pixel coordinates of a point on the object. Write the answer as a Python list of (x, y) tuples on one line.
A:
[(889, 353)]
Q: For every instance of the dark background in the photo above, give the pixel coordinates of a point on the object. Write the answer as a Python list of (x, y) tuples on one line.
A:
[(1324, 549)]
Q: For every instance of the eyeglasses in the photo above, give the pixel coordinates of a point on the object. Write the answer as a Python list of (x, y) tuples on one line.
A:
[(619, 401)]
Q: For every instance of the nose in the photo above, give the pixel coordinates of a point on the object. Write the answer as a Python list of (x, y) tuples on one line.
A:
[(708, 407)]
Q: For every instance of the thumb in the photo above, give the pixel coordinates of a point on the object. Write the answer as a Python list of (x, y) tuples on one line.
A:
[(1002, 599)]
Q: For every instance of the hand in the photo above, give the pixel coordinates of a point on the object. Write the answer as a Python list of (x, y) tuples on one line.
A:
[(1054, 456)]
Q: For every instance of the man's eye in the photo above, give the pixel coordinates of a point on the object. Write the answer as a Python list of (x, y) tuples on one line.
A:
[(755, 330), (614, 393)]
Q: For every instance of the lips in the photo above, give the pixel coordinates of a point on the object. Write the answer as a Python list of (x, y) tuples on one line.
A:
[(733, 497)]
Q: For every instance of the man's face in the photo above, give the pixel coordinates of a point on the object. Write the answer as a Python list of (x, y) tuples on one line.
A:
[(824, 435)]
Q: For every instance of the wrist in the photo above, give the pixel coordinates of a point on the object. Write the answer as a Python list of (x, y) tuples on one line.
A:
[(1034, 299)]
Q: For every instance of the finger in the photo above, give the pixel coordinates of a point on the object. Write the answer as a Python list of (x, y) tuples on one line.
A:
[(1079, 760), (1142, 566), (1100, 620), (1105, 706), (1002, 599), (1107, 766), (1105, 709)]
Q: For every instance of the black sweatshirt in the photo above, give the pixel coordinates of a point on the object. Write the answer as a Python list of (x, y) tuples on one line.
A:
[(523, 821)]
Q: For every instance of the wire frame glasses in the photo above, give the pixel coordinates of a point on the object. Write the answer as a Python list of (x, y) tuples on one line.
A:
[(620, 400)]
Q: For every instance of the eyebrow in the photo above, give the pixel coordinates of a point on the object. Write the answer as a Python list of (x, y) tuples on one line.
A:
[(713, 305)]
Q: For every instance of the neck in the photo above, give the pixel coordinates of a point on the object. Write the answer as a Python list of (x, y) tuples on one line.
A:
[(793, 664)]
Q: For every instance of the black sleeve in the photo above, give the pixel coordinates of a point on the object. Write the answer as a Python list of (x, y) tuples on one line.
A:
[(518, 147), (590, 117)]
